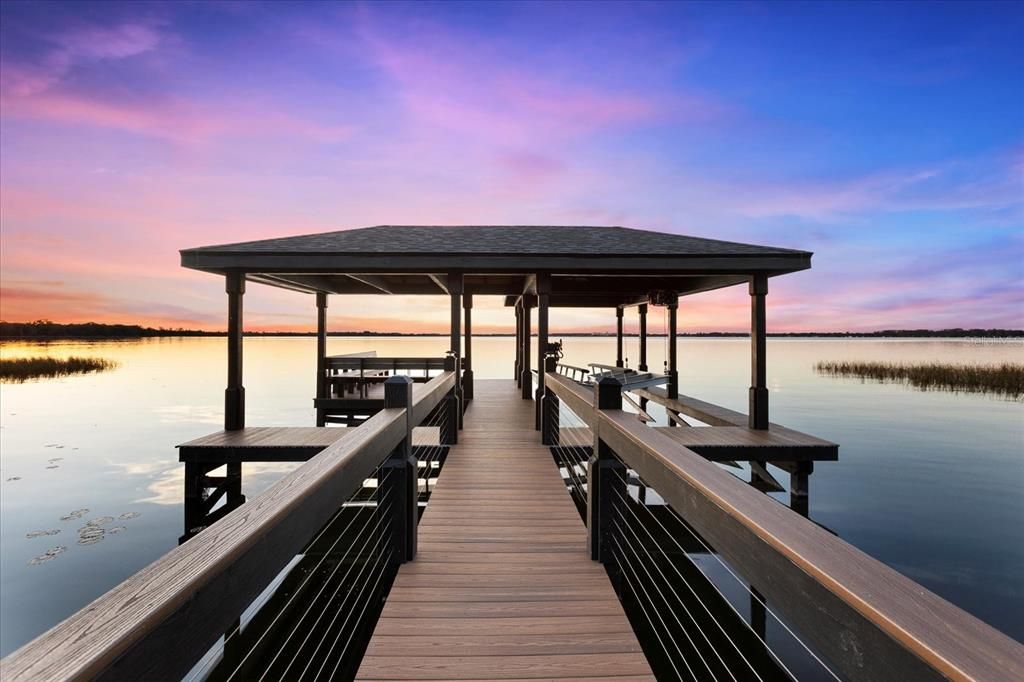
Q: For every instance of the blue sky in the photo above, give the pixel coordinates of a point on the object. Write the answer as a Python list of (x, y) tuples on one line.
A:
[(888, 138)]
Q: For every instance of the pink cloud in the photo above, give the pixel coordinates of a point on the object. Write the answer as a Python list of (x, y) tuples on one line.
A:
[(172, 118), (73, 46), (475, 92)]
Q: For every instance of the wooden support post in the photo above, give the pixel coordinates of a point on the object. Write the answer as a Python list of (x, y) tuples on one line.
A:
[(398, 476), (618, 338), (673, 351), (526, 378), (467, 365), (642, 367), (322, 385), (233, 485), (606, 476), (193, 503), (455, 344), (758, 413), (519, 343), (450, 421), (642, 309), (799, 487), (234, 395), (543, 297)]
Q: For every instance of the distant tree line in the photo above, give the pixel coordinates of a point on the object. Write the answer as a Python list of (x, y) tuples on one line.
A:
[(45, 329)]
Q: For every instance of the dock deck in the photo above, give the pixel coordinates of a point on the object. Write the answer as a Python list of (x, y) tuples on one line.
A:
[(502, 585)]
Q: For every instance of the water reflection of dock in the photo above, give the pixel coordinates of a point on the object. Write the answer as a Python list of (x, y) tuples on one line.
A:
[(674, 567)]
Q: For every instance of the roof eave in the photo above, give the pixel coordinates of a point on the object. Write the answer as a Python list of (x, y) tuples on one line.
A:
[(221, 262)]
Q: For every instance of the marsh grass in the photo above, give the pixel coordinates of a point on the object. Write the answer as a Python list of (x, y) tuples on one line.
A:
[(17, 370), (1006, 379)]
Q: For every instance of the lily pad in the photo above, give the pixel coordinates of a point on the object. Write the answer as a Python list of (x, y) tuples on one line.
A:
[(90, 535), (41, 533), (49, 554)]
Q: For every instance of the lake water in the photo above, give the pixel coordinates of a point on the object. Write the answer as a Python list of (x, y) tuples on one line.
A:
[(929, 483)]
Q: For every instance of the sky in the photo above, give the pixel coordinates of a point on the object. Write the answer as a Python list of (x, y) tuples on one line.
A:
[(887, 138)]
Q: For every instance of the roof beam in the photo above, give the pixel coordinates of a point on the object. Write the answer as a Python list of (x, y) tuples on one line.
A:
[(373, 281), (331, 284), (272, 281), (439, 281)]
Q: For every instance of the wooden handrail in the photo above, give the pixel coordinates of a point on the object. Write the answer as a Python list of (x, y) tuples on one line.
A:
[(348, 362), (158, 622), (866, 618)]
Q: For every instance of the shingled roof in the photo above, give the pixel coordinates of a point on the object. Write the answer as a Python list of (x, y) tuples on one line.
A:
[(498, 239), (588, 265)]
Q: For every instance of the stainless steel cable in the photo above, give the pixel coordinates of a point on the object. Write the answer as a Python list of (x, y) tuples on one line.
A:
[(386, 537), (682, 628), (635, 581), (309, 610), (664, 578), (298, 591), (747, 588), (348, 640)]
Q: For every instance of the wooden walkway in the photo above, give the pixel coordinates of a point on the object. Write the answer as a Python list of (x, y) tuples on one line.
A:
[(502, 586)]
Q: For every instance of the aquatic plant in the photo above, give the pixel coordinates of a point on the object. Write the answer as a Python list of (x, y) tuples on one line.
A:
[(1006, 379), (18, 370)]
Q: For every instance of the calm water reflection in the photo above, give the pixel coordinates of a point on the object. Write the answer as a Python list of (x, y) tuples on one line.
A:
[(930, 483)]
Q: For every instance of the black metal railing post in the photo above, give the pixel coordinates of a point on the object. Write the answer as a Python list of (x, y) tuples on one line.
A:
[(606, 480), (452, 408), (399, 474)]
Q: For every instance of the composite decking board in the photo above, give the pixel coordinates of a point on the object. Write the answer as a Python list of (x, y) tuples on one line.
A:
[(278, 443), (269, 436), (735, 442), (502, 586)]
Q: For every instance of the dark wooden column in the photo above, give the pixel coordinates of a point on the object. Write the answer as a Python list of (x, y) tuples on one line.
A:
[(607, 477), (467, 369), (234, 396), (673, 352), (322, 386), (642, 309), (642, 367), (455, 343), (397, 477), (758, 414), (799, 487), (543, 298), (519, 343), (618, 337), (525, 378)]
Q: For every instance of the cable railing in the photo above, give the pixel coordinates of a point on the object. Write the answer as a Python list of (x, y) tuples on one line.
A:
[(686, 544), (572, 448), (683, 619), (284, 587)]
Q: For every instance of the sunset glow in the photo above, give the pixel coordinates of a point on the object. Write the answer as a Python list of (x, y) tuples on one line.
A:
[(886, 138)]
